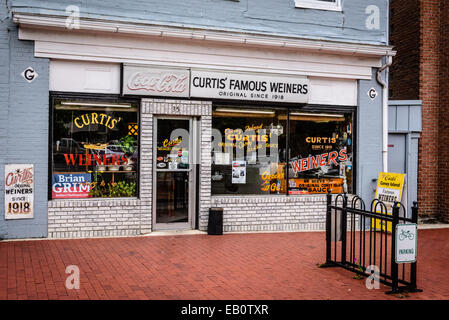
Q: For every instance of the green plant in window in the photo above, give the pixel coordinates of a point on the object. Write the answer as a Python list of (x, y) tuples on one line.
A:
[(128, 144), (120, 189), (127, 189), (99, 190)]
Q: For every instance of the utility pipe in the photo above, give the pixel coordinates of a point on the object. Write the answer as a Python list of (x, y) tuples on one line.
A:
[(384, 85)]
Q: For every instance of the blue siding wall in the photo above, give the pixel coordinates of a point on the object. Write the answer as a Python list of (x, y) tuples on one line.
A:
[(265, 16), (369, 142), (23, 124)]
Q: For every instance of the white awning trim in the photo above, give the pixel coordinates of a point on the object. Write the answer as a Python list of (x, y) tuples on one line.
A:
[(249, 39)]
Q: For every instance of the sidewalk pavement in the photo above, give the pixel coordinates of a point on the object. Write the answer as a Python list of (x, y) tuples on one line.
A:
[(234, 266)]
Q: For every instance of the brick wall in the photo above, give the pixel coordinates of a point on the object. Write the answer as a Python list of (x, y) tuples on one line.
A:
[(433, 90), (404, 36), (273, 213), (443, 146), (428, 183)]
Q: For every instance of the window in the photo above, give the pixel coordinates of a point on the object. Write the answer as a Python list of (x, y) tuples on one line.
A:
[(249, 151), (333, 5), (320, 153), (94, 149)]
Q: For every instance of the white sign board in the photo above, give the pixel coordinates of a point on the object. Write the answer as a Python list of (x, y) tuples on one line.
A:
[(247, 86), (238, 172), (19, 191), (406, 242), (150, 81)]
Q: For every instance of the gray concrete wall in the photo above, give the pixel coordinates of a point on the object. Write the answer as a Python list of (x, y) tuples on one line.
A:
[(23, 124)]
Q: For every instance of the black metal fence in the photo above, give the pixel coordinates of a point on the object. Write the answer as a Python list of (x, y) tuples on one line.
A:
[(360, 240)]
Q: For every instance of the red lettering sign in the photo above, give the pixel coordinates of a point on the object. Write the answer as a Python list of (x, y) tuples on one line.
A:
[(165, 82), (25, 176)]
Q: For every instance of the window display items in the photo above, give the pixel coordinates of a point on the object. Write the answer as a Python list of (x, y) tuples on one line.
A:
[(321, 153), (258, 138), (95, 154)]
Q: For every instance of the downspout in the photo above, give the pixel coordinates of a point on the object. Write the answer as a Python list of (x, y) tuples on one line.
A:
[(384, 85)]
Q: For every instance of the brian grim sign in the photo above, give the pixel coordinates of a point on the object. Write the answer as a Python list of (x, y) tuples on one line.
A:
[(149, 81), (248, 86)]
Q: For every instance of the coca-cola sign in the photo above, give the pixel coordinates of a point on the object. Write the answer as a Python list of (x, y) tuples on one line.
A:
[(149, 81)]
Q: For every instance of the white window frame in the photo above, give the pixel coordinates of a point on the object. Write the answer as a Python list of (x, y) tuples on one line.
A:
[(319, 5)]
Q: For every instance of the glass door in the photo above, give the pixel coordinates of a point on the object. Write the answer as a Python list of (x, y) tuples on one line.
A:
[(174, 174)]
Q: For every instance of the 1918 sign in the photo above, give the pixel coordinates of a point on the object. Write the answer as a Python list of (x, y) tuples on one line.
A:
[(19, 191)]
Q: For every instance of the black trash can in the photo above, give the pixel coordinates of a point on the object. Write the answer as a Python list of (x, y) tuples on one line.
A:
[(215, 225)]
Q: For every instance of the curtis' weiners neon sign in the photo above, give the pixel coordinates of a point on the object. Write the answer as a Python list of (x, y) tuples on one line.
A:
[(314, 162)]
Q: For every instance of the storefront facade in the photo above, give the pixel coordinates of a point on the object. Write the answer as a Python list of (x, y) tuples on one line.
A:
[(148, 127)]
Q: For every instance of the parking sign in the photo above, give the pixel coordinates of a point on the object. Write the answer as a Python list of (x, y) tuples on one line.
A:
[(406, 242)]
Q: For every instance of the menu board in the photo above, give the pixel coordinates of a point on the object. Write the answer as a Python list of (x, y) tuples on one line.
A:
[(19, 191)]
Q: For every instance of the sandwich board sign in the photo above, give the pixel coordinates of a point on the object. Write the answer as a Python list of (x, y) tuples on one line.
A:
[(391, 188), (406, 243)]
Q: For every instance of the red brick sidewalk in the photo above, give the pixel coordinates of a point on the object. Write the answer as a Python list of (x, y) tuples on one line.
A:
[(237, 266)]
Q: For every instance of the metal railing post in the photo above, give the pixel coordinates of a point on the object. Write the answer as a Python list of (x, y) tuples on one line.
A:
[(344, 228), (413, 284), (394, 265), (328, 228)]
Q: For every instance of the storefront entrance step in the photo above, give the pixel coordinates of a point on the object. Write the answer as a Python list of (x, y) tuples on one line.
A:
[(175, 233), (433, 226)]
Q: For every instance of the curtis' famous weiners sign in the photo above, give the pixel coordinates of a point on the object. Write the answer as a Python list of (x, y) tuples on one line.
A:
[(229, 85), (256, 87)]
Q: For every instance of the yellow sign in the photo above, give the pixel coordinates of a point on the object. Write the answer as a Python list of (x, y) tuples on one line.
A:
[(96, 118), (316, 186), (390, 187)]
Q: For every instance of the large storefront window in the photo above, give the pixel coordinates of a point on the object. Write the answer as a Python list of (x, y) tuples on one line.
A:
[(320, 153), (249, 151), (94, 149)]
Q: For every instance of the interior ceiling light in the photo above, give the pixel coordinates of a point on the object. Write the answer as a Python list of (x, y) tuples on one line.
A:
[(331, 115), (243, 111), (95, 104)]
